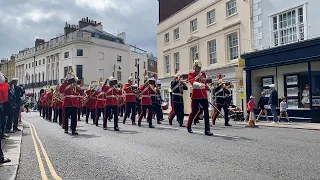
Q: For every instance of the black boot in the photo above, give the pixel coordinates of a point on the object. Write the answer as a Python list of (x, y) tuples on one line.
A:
[(151, 126), (208, 133), (159, 122), (190, 130), (170, 122), (74, 132), (182, 125), (139, 123), (134, 123), (116, 129)]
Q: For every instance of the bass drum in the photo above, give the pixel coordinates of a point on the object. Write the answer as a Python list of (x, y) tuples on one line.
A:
[(165, 106)]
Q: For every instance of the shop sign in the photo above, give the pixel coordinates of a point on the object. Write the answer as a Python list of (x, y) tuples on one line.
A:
[(241, 90)]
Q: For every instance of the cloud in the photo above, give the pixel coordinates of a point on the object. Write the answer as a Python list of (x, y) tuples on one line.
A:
[(22, 21)]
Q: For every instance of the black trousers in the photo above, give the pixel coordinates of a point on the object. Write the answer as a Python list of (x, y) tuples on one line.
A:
[(49, 113), (144, 111), (225, 110), (109, 111), (44, 112), (179, 112), (57, 113), (79, 113), (157, 110), (70, 112), (40, 110), (130, 108), (195, 109), (91, 112), (98, 114), (121, 110)]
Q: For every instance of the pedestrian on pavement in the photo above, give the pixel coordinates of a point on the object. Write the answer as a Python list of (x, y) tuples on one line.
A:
[(261, 105), (9, 107), (27, 104), (251, 106), (19, 92), (4, 88), (273, 102), (283, 109)]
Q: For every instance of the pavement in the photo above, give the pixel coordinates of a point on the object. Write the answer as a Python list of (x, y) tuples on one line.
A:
[(11, 149), (166, 152)]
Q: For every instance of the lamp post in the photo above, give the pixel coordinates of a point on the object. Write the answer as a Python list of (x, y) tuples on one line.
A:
[(138, 72), (34, 72)]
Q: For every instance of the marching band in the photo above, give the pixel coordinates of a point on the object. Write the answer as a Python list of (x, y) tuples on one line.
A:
[(112, 99)]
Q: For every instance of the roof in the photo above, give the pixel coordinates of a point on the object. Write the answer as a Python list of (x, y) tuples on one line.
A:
[(102, 34)]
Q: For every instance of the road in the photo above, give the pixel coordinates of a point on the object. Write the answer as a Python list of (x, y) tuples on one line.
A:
[(168, 152)]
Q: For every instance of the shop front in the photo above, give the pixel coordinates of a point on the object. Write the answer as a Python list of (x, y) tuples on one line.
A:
[(295, 70)]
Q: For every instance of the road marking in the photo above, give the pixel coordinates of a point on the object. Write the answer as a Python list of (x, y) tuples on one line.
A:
[(41, 167), (44, 152)]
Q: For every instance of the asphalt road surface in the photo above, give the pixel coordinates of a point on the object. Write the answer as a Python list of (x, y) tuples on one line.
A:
[(166, 152)]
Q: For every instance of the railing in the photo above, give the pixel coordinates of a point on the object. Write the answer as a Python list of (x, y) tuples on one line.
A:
[(41, 84), (282, 36), (137, 50)]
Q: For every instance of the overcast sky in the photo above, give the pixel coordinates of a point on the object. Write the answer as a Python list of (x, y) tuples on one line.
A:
[(22, 21)]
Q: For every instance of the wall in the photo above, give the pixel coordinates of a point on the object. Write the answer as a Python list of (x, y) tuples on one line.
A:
[(264, 9), (238, 23)]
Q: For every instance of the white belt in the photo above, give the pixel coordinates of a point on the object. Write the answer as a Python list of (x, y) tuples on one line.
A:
[(111, 96), (153, 95), (178, 94), (131, 94), (71, 96), (100, 99), (221, 96), (145, 96)]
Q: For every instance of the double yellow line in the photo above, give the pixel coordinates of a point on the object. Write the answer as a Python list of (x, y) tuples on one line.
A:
[(36, 139)]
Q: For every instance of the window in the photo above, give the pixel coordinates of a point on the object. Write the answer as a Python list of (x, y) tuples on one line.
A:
[(166, 96), (36, 63), (65, 69), (144, 65), (48, 60), (288, 27), (39, 62), (211, 17), (52, 75), (26, 66), (35, 78), (166, 38), (32, 64), (193, 25), (119, 75), (212, 51), (79, 52), (176, 34), (233, 46), (43, 61), (176, 61), (151, 62), (101, 55), (32, 78), (29, 65), (167, 64), (231, 7), (119, 58), (66, 55), (79, 71), (39, 77), (42, 76), (193, 52)]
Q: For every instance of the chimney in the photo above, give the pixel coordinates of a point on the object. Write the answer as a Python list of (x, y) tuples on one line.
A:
[(99, 26), (39, 42), (122, 35)]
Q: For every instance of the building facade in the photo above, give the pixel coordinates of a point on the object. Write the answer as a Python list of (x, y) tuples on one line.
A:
[(216, 30), (285, 53), (8, 67), (91, 52)]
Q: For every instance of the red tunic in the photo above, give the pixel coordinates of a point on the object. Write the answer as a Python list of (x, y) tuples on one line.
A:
[(92, 102), (198, 93), (57, 103), (45, 99), (71, 95), (129, 94), (145, 95), (100, 99), (49, 99), (4, 92), (111, 95), (41, 99)]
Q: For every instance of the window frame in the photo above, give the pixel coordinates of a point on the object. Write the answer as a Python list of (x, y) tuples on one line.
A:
[(231, 8), (167, 64), (176, 57), (212, 59), (79, 52), (209, 18), (119, 60), (194, 25), (66, 54), (79, 74), (192, 54), (232, 47), (166, 38), (176, 33)]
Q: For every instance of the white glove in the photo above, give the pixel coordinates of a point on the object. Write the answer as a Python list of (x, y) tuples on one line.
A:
[(197, 85), (2, 78)]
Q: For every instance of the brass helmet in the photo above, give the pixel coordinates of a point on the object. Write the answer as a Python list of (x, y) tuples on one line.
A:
[(131, 77), (197, 62)]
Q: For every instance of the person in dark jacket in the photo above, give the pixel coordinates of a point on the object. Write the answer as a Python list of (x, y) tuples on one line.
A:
[(9, 107), (18, 92), (261, 105), (273, 102)]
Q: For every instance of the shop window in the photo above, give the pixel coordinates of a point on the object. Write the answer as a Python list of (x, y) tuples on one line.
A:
[(315, 84)]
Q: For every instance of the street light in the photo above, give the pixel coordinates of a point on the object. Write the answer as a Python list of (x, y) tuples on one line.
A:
[(138, 72)]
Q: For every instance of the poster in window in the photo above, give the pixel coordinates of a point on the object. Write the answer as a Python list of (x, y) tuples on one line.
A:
[(266, 82), (294, 91), (315, 102), (293, 103), (292, 80)]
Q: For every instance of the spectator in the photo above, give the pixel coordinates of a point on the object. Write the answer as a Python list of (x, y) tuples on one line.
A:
[(261, 104), (27, 104), (21, 107), (3, 98), (273, 102), (9, 107), (18, 91)]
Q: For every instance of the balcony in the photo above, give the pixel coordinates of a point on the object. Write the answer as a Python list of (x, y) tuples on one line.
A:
[(41, 84)]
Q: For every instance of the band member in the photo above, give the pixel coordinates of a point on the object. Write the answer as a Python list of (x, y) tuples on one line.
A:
[(100, 102), (222, 95), (49, 103), (138, 100), (70, 103), (156, 101), (80, 100), (177, 87), (57, 105), (111, 93), (199, 96), (45, 106), (121, 100), (90, 101), (171, 115), (41, 101), (146, 89), (130, 100)]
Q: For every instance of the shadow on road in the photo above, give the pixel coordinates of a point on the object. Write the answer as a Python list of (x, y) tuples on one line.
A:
[(127, 132), (83, 136)]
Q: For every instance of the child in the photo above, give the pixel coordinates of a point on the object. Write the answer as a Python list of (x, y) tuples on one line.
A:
[(283, 109), (252, 116)]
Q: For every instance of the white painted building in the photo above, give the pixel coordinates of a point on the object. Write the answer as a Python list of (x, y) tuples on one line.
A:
[(215, 29), (90, 51)]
